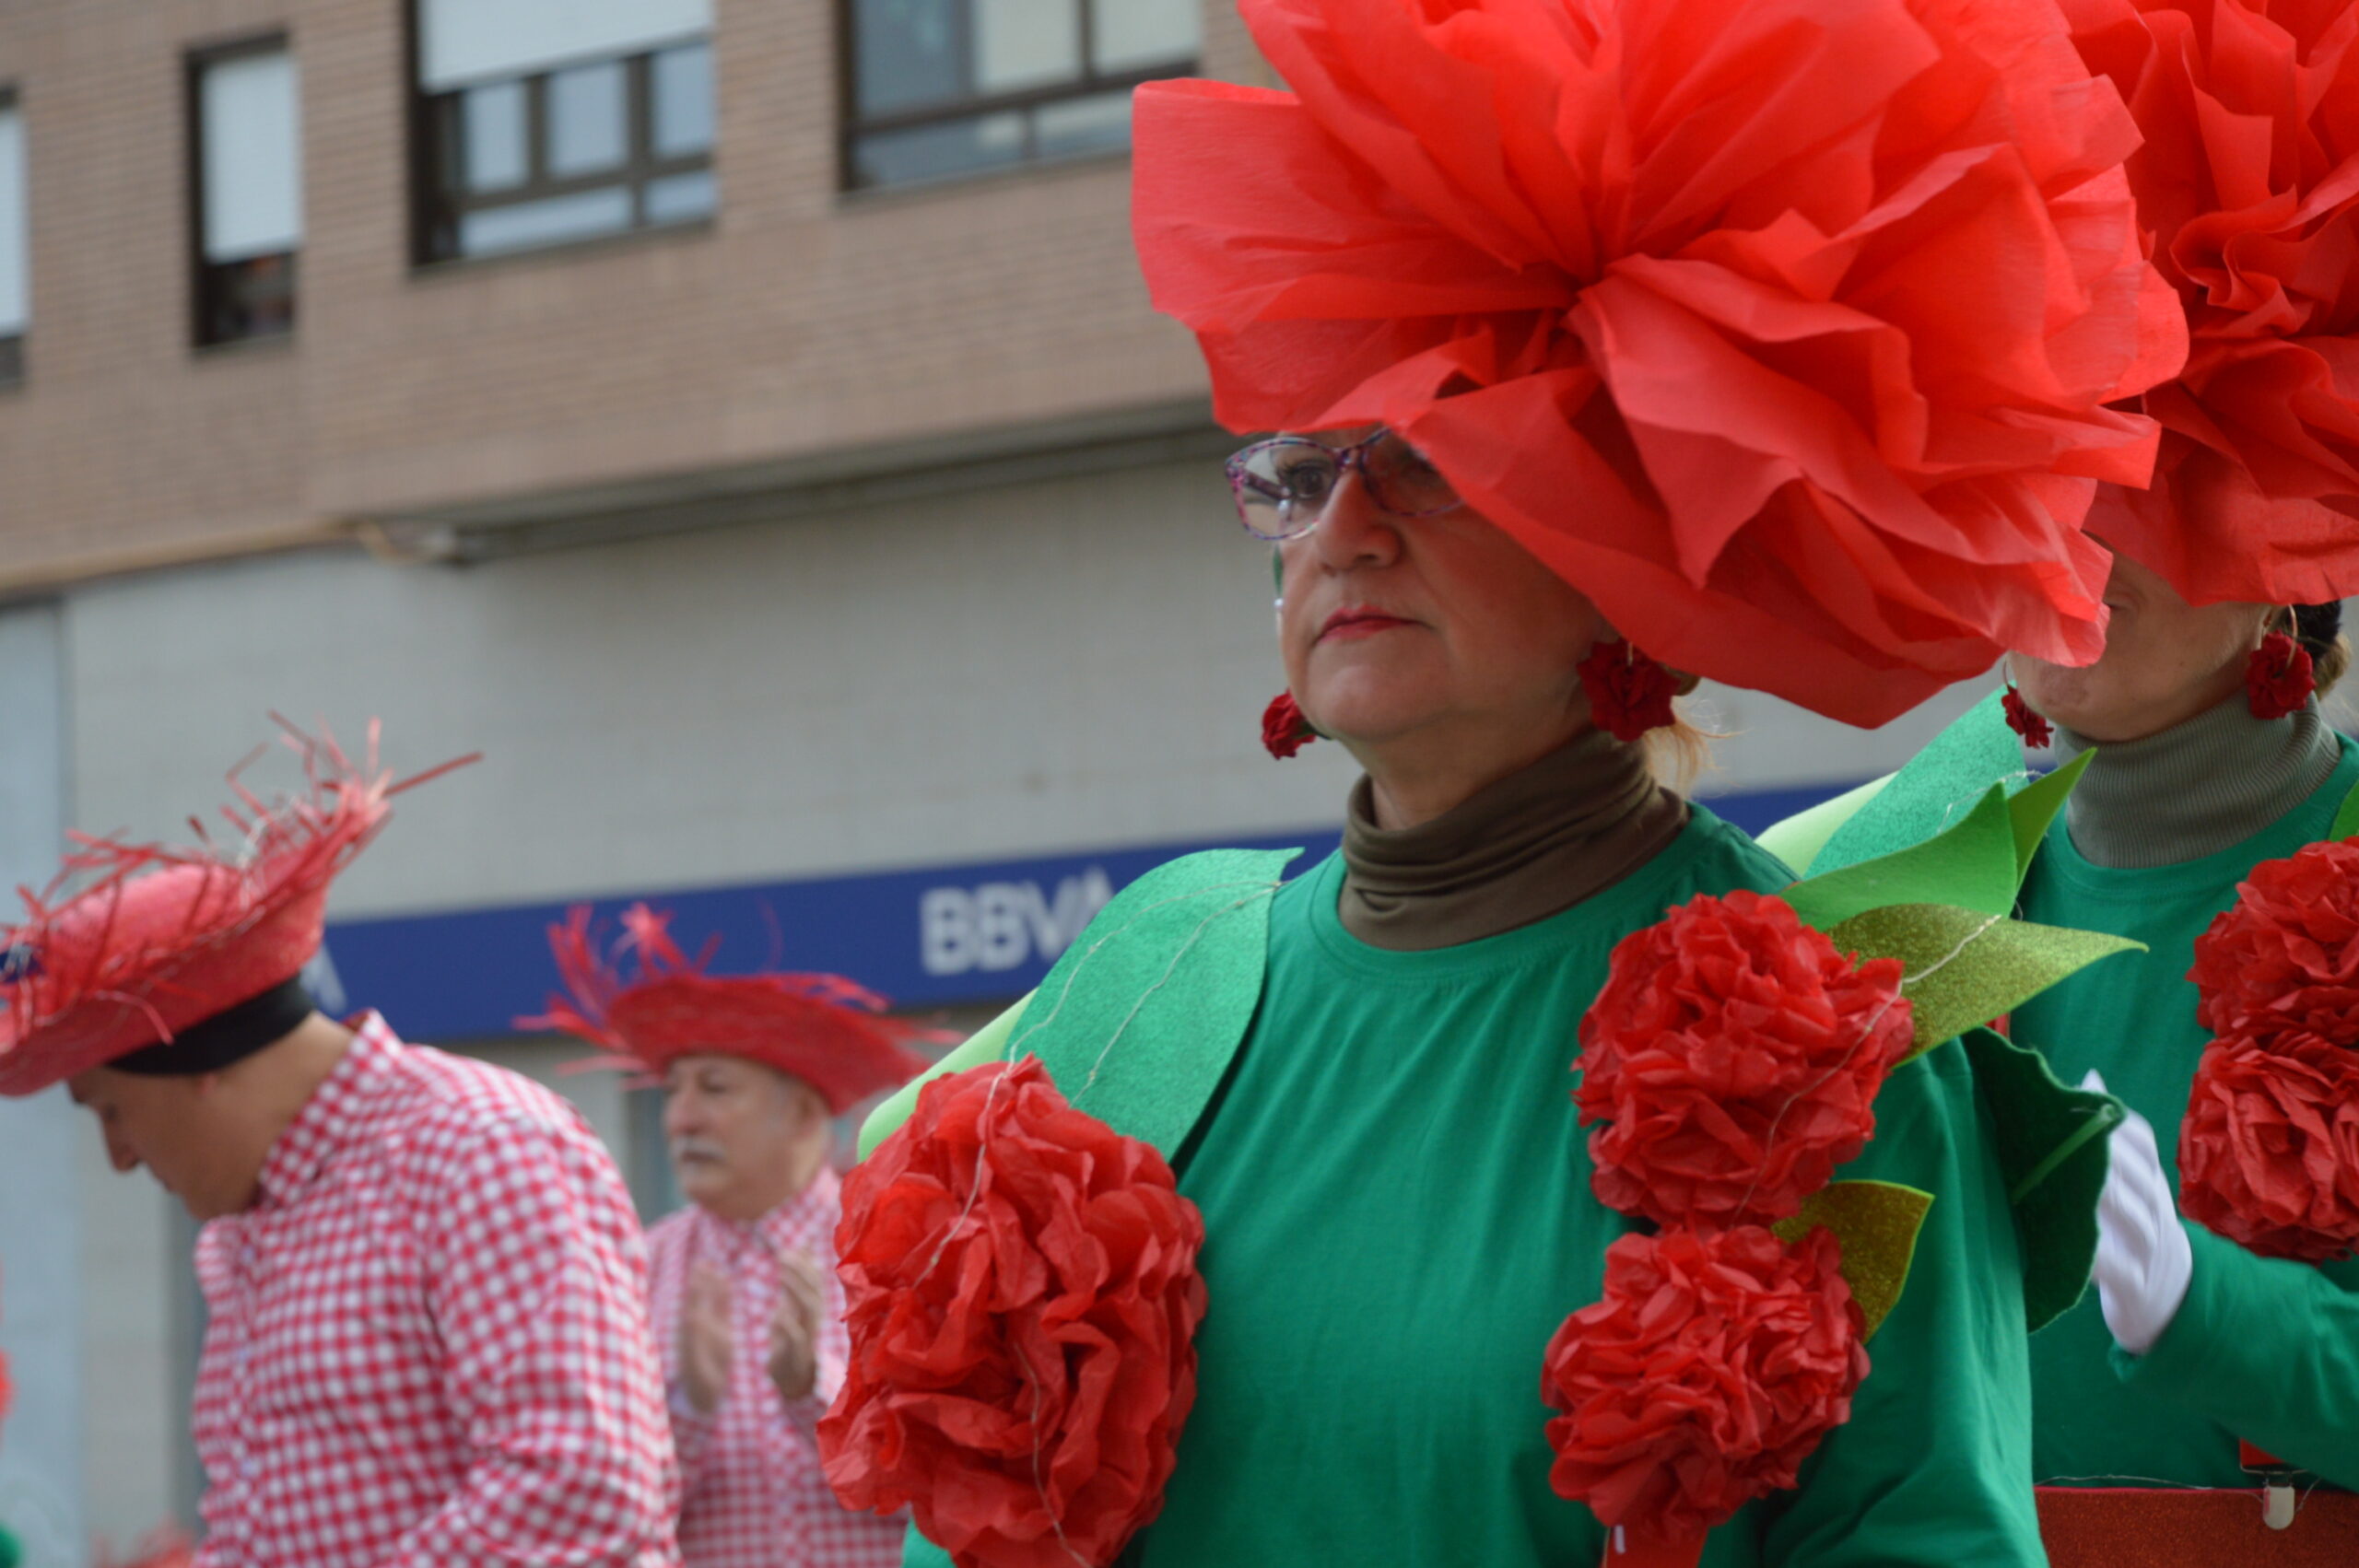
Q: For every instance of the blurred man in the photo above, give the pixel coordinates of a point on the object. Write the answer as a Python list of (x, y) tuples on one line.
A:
[(428, 1338), (755, 1068)]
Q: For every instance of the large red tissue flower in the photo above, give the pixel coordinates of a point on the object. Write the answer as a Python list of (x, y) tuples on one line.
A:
[(1733, 1057), (1709, 1371), (2251, 110), (1021, 1294), (2286, 954), (1782, 330), (2269, 1153)]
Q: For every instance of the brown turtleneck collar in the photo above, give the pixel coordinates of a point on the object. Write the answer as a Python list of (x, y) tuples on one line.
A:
[(1529, 846)]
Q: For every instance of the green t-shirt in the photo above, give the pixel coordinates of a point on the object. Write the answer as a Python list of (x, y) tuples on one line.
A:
[(1396, 1198), (2263, 1349)]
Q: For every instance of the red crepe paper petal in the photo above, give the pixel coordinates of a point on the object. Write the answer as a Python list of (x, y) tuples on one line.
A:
[(1712, 1367), (2249, 182), (824, 1029), (132, 942), (1284, 731), (1733, 1057), (2268, 1151), (1022, 1296), (1782, 331)]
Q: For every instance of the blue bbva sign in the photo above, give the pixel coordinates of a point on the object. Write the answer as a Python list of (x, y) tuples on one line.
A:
[(924, 938)]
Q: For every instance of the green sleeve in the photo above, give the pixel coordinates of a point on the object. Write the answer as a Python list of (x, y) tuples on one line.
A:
[(2267, 1348), (1934, 1466), (919, 1552), (981, 1046)]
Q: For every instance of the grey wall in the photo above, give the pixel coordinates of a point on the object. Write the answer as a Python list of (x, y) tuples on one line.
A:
[(41, 1139)]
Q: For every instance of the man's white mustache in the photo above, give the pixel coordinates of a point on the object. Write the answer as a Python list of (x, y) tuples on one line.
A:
[(696, 1149)]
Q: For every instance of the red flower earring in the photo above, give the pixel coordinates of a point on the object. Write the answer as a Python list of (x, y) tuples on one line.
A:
[(2279, 677), (2034, 730), (1283, 728), (1629, 694)]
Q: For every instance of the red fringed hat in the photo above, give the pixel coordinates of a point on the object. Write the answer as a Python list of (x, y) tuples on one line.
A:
[(132, 943), (820, 1028), (1782, 329), (2248, 183)]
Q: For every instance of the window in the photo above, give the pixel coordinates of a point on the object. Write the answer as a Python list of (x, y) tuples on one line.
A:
[(940, 89), (247, 163), (16, 294), (548, 121)]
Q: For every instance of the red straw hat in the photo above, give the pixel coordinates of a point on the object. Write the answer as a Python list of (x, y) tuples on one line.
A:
[(1784, 331), (157, 939), (2249, 187), (823, 1029)]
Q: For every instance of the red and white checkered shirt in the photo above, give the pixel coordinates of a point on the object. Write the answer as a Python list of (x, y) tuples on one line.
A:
[(754, 1495), (429, 1342)]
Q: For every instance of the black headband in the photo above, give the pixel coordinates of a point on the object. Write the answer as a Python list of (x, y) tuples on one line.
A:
[(227, 1037)]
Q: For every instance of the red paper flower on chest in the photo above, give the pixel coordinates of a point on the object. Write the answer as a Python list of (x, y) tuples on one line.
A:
[(1022, 1296), (1712, 1367), (1734, 1056), (2268, 1151)]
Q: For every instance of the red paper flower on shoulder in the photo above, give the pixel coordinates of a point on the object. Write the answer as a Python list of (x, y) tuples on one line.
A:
[(2269, 1153), (1752, 1351), (1734, 1056), (2286, 954), (1022, 1294)]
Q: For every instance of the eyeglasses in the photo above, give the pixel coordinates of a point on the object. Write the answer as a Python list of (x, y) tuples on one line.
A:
[(1283, 485)]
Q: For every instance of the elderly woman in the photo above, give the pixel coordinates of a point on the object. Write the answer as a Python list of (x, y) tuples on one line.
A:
[(1599, 319)]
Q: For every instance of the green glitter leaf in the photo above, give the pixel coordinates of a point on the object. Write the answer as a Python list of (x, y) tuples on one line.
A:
[(1876, 1223), (1965, 967)]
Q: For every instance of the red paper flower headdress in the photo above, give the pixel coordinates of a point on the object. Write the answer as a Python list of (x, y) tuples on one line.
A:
[(823, 1029), (155, 939), (2247, 186), (1783, 330)]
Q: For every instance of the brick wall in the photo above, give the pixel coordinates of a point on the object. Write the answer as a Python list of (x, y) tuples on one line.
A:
[(802, 322)]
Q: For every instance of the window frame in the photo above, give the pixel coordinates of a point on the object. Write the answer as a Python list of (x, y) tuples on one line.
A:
[(203, 284), (436, 209), (852, 127), (12, 344)]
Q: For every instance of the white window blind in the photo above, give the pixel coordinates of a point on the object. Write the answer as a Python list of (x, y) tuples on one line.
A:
[(15, 301), (471, 40), (1134, 34), (252, 157)]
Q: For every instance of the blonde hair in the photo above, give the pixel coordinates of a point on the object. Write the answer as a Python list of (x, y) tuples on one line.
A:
[(1681, 752)]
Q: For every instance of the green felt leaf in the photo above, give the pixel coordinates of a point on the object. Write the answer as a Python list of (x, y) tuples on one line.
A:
[(2346, 821), (1876, 1223), (1963, 967), (1138, 1020), (2036, 806), (1936, 787), (2052, 1146), (1970, 864)]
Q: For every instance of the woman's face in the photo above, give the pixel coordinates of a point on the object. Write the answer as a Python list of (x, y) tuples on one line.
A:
[(2165, 661), (1441, 626)]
